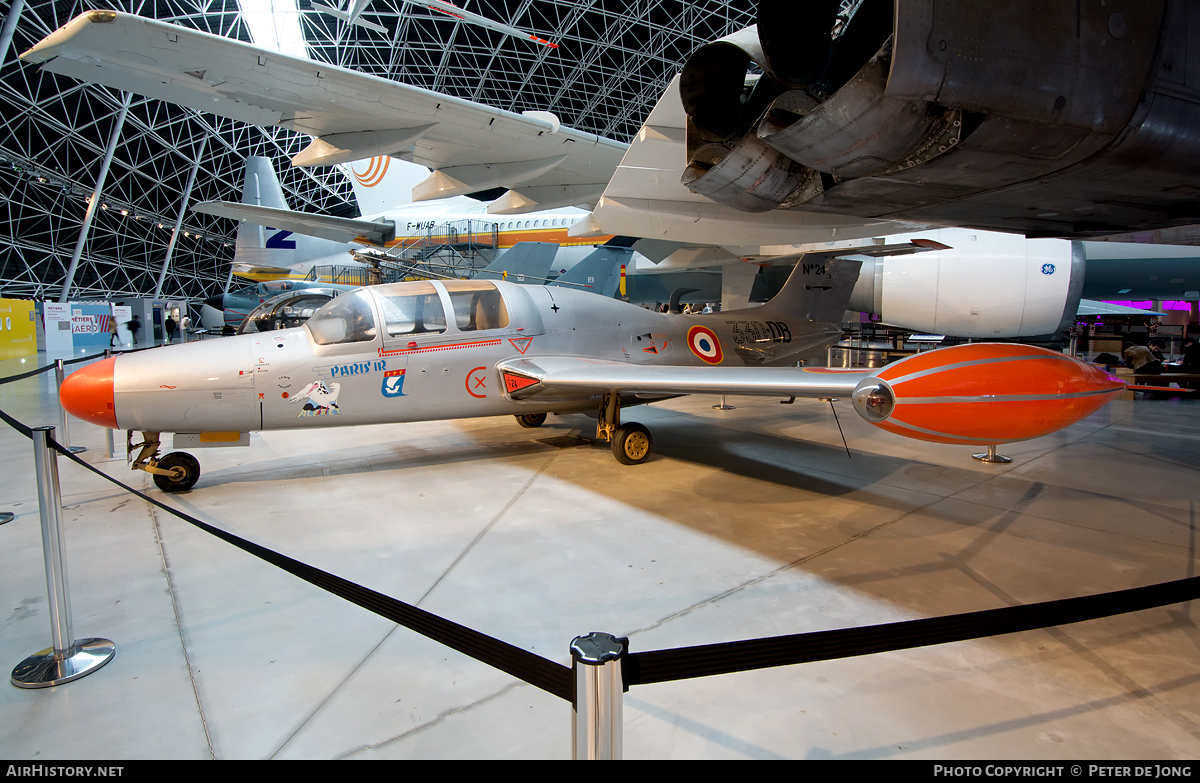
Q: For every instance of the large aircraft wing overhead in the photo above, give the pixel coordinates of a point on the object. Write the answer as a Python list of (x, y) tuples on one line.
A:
[(322, 226), (645, 198), (552, 377), (352, 114)]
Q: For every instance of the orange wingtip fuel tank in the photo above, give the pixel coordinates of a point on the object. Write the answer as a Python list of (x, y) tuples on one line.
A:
[(984, 394), (88, 393)]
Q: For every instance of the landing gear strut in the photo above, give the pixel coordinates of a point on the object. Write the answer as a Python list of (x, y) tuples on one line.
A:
[(631, 443), (174, 472)]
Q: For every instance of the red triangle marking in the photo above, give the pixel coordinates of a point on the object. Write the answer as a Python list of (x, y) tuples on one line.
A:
[(515, 382), (521, 343)]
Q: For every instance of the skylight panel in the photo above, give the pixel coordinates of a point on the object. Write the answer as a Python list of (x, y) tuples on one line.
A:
[(275, 24)]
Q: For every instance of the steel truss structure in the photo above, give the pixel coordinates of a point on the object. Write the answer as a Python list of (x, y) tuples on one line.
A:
[(613, 61)]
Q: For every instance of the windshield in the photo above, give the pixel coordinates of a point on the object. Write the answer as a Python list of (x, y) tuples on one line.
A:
[(286, 311), (347, 319)]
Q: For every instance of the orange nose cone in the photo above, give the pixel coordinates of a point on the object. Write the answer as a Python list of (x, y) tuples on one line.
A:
[(88, 394)]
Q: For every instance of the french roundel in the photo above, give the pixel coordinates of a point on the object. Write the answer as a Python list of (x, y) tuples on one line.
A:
[(705, 344)]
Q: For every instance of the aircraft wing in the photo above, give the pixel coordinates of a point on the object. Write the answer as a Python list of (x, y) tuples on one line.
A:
[(352, 114), (452, 10), (323, 226), (570, 377)]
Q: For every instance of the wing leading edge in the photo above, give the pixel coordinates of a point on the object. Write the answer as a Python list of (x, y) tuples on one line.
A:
[(566, 377), (352, 114)]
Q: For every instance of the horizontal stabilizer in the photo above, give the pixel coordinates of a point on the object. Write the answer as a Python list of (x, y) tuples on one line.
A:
[(1091, 307), (526, 262), (322, 226)]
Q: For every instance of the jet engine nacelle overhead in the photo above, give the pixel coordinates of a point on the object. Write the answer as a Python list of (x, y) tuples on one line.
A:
[(988, 286), (1050, 119)]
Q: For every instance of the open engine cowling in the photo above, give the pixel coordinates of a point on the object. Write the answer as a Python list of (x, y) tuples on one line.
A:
[(1050, 119)]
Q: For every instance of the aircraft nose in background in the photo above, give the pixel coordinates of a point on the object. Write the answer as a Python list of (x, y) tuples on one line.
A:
[(88, 393)]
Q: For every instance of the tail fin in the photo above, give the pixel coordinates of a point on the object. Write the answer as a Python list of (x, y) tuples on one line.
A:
[(817, 290), (525, 262), (383, 182), (262, 252), (598, 272)]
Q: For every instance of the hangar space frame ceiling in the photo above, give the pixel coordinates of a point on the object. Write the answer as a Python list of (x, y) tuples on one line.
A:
[(613, 61)]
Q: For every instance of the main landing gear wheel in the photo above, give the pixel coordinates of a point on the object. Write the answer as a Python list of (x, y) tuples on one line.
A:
[(531, 420), (184, 468), (632, 444)]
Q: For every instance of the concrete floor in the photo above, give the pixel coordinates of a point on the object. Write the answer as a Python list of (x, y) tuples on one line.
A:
[(747, 523)]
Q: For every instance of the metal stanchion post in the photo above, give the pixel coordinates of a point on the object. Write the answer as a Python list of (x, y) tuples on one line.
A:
[(596, 718), (68, 659), (723, 406), (992, 457), (60, 374), (109, 445)]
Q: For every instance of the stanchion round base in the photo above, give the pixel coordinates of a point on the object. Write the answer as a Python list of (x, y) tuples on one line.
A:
[(76, 449), (43, 670), (992, 457), (7, 516), (723, 407)]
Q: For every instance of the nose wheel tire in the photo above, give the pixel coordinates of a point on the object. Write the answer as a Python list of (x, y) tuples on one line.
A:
[(185, 471), (531, 420), (632, 444)]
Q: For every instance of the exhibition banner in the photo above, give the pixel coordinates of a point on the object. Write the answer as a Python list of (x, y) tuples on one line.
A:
[(90, 324), (82, 325), (58, 327), (18, 329)]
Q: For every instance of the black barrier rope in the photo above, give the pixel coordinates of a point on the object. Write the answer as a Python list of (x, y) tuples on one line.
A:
[(25, 375), (709, 659), (540, 672), (76, 360), (16, 425)]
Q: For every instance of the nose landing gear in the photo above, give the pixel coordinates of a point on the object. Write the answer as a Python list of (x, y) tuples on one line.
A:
[(174, 472)]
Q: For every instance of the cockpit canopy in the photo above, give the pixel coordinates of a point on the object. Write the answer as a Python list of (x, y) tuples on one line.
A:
[(409, 309)]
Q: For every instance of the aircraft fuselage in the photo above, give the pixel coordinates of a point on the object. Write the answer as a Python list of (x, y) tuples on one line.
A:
[(287, 379)]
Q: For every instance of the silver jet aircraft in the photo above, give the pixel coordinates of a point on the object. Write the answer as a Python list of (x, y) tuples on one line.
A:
[(421, 351)]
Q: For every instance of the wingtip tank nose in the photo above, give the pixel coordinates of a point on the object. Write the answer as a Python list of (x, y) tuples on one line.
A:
[(88, 393), (989, 393)]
